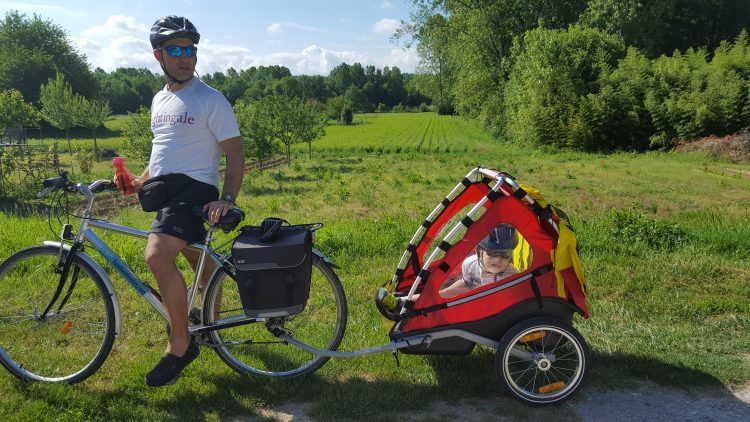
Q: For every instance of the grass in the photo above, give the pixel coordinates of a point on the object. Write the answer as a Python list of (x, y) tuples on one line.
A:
[(665, 243)]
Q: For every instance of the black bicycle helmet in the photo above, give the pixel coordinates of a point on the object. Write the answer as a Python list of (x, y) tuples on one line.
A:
[(502, 237), (170, 27)]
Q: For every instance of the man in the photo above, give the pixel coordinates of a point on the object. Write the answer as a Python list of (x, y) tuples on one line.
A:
[(193, 125)]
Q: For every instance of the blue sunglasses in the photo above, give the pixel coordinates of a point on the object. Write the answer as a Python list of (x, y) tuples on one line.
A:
[(176, 50)]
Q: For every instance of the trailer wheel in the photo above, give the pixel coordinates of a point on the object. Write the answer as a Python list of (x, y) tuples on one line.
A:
[(542, 361)]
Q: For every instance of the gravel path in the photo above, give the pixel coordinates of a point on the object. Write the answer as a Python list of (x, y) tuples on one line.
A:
[(647, 401)]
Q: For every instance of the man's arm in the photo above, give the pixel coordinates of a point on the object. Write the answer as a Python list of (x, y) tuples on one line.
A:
[(138, 181), (235, 168)]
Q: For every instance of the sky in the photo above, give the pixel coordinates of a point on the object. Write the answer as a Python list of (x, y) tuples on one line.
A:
[(309, 37)]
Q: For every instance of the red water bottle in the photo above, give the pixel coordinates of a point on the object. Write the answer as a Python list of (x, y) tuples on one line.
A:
[(123, 176)]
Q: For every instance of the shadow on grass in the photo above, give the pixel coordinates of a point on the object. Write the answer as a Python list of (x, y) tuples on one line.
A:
[(23, 209), (454, 379)]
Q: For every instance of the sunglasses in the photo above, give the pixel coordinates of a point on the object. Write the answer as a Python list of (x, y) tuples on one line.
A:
[(495, 254), (176, 50)]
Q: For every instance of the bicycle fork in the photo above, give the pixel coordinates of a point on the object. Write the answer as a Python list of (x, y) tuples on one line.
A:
[(64, 262)]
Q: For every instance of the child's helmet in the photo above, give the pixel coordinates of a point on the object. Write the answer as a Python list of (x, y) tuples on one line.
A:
[(502, 237)]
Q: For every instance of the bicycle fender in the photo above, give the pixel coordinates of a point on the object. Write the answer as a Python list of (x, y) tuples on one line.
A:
[(324, 258), (101, 273)]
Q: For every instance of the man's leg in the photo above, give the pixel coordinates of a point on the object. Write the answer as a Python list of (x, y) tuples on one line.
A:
[(209, 266), (192, 256), (161, 253)]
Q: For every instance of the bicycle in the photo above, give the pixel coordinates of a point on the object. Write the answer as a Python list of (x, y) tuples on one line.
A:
[(60, 313)]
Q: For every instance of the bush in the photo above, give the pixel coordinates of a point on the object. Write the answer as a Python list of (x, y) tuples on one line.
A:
[(336, 105), (446, 109), (617, 116), (554, 70), (691, 96), (398, 108), (85, 158), (347, 116), (382, 108), (423, 107)]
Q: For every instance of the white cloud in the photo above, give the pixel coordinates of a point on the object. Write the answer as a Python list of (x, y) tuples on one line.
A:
[(43, 9), (386, 5), (274, 28), (406, 60), (123, 51), (125, 44), (386, 26), (116, 25)]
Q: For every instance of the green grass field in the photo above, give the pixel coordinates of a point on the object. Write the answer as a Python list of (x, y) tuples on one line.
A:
[(665, 243)]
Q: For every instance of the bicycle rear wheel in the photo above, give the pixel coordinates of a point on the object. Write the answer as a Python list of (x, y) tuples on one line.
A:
[(251, 348), (72, 341)]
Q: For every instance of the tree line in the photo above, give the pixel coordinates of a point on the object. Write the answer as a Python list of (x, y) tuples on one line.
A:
[(44, 79), (366, 88), (587, 74), (33, 50)]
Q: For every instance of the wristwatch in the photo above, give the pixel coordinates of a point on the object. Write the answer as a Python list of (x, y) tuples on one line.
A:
[(228, 198)]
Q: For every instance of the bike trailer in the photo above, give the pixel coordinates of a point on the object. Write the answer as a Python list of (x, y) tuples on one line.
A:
[(546, 279)]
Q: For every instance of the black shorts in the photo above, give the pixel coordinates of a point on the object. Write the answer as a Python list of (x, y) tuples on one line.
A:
[(175, 218)]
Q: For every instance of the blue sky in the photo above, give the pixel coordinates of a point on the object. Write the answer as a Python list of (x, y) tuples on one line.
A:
[(308, 37)]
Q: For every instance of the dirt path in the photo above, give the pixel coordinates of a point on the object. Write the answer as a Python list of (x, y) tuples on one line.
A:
[(647, 401)]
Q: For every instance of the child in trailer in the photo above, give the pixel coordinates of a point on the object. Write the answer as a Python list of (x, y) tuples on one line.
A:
[(492, 262)]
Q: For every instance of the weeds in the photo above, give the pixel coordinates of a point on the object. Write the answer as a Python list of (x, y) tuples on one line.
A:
[(637, 230)]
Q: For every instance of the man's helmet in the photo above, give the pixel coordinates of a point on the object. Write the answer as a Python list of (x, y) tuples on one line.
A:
[(502, 237), (170, 27)]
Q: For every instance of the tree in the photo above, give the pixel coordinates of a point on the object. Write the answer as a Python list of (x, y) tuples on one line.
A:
[(663, 26), (294, 122), (554, 70), (340, 78), (59, 105), (138, 135), (14, 111), (127, 89), (432, 35), (32, 50), (473, 42), (258, 132), (336, 106), (91, 115), (358, 99)]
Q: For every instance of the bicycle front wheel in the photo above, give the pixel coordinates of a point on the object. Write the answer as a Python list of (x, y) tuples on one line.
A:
[(252, 348), (73, 339)]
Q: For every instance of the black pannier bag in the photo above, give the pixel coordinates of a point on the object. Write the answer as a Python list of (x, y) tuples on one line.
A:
[(273, 271)]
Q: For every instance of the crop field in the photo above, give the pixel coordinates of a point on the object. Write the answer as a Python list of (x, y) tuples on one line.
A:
[(404, 132), (664, 240)]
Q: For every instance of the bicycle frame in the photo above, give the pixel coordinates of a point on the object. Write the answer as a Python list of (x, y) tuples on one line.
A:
[(86, 233), (122, 268)]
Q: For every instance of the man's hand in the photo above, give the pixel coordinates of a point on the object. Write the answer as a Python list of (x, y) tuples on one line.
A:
[(216, 210), (138, 183)]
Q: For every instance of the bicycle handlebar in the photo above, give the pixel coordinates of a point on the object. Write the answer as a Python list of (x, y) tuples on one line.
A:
[(54, 183)]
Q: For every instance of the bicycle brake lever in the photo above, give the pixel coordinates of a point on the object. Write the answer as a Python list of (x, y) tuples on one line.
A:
[(43, 192)]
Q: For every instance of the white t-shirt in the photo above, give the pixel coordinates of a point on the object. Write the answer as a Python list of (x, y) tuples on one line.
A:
[(188, 126), (472, 273)]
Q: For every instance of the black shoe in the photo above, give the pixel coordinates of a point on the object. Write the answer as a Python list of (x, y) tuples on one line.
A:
[(170, 366)]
